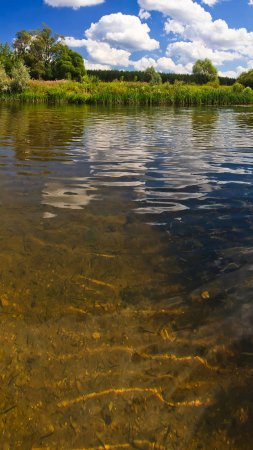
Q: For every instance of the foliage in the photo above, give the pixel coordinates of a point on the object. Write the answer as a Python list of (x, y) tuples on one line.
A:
[(46, 56), (68, 65), (4, 80), (248, 91), (237, 87), (205, 67), (130, 76), (152, 77), (246, 78), (125, 93), (20, 77), (7, 58)]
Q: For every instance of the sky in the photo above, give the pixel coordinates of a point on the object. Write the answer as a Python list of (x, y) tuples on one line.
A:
[(135, 34)]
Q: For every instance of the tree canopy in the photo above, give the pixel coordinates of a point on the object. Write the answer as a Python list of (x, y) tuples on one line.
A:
[(205, 67), (46, 55), (246, 79), (152, 76)]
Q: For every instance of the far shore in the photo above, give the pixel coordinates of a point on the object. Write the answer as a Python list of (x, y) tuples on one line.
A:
[(130, 93)]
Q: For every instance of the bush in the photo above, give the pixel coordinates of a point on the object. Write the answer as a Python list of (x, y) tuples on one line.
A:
[(237, 87), (205, 67), (4, 80), (214, 84), (247, 91), (246, 78), (152, 76), (20, 77)]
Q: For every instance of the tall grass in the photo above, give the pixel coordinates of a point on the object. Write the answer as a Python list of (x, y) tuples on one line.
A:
[(129, 93)]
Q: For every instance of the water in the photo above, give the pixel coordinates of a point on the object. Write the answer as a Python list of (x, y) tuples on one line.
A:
[(126, 278)]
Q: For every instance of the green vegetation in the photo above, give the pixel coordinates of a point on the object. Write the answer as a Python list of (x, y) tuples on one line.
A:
[(41, 68), (44, 54), (206, 68), (138, 75), (246, 78), (152, 77), (123, 93)]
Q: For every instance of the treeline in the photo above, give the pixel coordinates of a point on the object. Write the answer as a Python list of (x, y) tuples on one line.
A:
[(124, 75)]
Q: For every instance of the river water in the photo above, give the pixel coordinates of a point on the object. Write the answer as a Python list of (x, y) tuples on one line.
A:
[(126, 278)]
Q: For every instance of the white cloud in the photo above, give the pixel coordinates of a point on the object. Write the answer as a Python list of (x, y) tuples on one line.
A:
[(75, 43), (161, 65), (122, 31), (144, 15), (75, 4), (93, 66), (204, 36), (144, 63), (101, 52), (185, 52), (210, 2)]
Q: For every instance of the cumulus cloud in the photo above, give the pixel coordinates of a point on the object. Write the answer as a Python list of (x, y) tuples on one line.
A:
[(101, 52), (123, 31), (186, 52), (210, 2), (163, 64), (75, 4), (112, 40), (201, 36), (144, 15), (94, 66)]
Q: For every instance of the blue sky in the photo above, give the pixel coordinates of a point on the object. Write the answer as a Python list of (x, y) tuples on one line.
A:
[(135, 34)]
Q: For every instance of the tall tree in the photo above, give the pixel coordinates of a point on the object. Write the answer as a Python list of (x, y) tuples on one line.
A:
[(205, 67), (7, 58), (44, 53)]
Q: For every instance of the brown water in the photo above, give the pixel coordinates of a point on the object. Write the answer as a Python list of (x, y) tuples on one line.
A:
[(126, 278)]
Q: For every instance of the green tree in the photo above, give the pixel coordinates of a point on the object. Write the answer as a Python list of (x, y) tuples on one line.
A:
[(246, 78), (7, 58), (205, 67), (4, 80), (46, 56), (68, 65), (20, 77), (152, 76)]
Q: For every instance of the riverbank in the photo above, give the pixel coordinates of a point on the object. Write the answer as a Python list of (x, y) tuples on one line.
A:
[(130, 93)]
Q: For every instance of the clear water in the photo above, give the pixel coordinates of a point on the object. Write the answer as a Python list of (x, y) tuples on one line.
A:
[(126, 278)]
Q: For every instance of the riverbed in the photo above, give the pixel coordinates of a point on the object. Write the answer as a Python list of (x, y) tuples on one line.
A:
[(126, 278)]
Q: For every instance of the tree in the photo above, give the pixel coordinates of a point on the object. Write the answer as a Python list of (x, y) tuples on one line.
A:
[(7, 58), (152, 76), (46, 56), (205, 67), (20, 77), (4, 80), (246, 79), (68, 65)]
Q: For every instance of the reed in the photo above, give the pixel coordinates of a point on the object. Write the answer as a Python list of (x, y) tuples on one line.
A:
[(129, 93)]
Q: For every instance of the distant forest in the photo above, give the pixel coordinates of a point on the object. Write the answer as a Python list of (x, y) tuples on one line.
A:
[(124, 75)]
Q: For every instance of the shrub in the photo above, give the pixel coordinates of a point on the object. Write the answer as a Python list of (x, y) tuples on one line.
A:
[(152, 77), (247, 91), (4, 80), (20, 77), (237, 87), (246, 78)]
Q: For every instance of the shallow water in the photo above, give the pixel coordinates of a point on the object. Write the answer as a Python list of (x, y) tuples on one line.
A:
[(126, 278)]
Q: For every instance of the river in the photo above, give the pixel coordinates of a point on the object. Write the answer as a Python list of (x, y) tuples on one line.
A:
[(126, 278)]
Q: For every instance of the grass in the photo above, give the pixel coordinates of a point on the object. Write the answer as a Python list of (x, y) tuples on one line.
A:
[(129, 93)]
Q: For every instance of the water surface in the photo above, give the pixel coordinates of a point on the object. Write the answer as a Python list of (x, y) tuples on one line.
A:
[(126, 278)]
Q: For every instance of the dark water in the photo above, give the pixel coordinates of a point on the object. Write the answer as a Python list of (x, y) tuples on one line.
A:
[(126, 278)]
